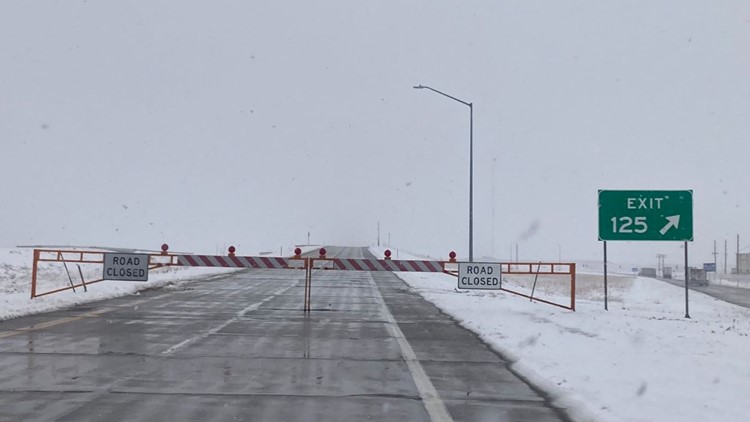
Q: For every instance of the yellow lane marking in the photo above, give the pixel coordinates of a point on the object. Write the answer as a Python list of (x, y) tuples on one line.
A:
[(55, 322), (60, 321)]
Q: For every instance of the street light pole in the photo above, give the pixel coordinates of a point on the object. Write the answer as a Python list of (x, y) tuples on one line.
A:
[(471, 164)]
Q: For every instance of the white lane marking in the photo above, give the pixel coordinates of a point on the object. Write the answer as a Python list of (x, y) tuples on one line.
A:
[(221, 326), (427, 392)]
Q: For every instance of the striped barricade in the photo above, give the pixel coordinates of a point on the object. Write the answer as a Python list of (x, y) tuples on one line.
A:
[(354, 264), (350, 264), (239, 262)]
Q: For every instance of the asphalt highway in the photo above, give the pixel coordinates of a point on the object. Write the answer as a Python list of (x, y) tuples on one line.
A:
[(239, 348), (735, 295)]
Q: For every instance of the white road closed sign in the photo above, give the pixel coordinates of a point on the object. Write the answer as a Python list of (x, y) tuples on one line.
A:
[(479, 275), (125, 266)]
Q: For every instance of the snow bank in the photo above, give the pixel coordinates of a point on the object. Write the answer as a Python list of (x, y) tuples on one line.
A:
[(640, 361)]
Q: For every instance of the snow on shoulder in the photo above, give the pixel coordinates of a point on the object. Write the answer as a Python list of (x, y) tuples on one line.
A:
[(15, 283), (641, 360)]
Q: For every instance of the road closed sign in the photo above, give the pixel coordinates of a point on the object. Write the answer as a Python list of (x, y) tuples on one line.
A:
[(479, 275), (125, 266)]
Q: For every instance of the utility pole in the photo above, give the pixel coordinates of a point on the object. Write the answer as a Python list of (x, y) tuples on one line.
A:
[(378, 233), (725, 256), (737, 265), (494, 161), (716, 269), (516, 252), (389, 239), (308, 238), (660, 263)]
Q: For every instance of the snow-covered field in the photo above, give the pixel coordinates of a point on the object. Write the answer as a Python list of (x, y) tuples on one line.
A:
[(639, 361)]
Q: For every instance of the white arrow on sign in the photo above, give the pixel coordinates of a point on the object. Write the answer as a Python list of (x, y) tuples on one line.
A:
[(672, 221)]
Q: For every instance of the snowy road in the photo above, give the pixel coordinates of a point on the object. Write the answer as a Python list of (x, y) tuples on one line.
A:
[(239, 348)]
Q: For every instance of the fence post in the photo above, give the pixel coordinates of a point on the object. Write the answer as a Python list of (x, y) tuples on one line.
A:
[(33, 273), (573, 286)]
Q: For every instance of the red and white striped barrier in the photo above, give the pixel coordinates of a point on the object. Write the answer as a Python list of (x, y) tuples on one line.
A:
[(239, 261), (350, 264), (353, 264)]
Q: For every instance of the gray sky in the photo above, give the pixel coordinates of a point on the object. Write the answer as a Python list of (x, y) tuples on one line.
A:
[(204, 124)]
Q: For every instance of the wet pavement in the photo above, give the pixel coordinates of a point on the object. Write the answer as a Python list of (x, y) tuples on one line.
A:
[(241, 349), (734, 295)]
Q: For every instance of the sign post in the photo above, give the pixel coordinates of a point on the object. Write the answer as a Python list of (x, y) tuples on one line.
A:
[(646, 215), (606, 308), (687, 278)]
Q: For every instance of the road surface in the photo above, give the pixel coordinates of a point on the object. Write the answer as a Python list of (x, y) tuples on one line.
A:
[(240, 349), (734, 295)]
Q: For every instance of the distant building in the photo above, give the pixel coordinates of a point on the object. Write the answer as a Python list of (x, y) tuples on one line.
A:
[(743, 263)]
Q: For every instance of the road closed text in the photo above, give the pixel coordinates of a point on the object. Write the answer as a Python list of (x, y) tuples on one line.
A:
[(130, 267), (124, 272), (474, 275)]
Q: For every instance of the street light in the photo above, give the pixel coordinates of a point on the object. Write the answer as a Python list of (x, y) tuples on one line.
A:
[(471, 165)]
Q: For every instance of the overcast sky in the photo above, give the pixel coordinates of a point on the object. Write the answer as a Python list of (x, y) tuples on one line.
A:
[(209, 123)]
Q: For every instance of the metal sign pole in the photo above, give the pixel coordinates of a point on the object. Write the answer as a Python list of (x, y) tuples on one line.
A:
[(687, 278), (308, 282), (605, 276)]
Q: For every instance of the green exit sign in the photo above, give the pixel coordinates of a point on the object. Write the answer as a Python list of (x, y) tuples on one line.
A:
[(646, 215)]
